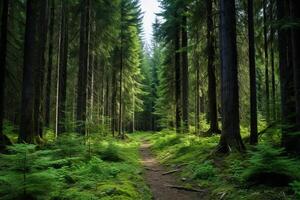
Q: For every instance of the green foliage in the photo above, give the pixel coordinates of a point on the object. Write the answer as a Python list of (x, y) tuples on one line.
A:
[(296, 187), (268, 164), (204, 170), (26, 172), (167, 141), (10, 130), (224, 176), (111, 152), (70, 145), (71, 168)]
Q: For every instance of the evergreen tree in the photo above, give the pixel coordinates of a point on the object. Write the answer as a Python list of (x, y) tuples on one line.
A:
[(230, 137)]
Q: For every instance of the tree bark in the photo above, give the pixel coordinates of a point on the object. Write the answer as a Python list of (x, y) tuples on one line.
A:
[(288, 105), (266, 61), (113, 102), (62, 75), (91, 71), (185, 75), (50, 65), (252, 70), (3, 51), (197, 107), (295, 8), (40, 70), (120, 91), (230, 137), (107, 99), (272, 52), (83, 67), (212, 96), (295, 32), (177, 82), (27, 132)]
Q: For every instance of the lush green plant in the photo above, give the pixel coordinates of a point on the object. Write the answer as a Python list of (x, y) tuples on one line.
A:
[(70, 145), (73, 167), (203, 171), (269, 165), (26, 173), (111, 152), (296, 187), (167, 140)]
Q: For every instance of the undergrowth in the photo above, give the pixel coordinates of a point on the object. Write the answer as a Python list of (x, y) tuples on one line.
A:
[(262, 173), (71, 168)]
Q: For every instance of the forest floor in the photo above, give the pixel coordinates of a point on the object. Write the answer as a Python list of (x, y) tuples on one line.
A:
[(183, 166), (163, 183), (147, 165)]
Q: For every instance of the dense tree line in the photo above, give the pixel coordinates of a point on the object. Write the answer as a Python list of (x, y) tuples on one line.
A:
[(240, 86), (80, 65), (66, 72)]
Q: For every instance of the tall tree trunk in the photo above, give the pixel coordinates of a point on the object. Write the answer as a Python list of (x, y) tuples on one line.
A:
[(288, 105), (133, 113), (50, 65), (83, 67), (3, 51), (230, 137), (107, 99), (27, 132), (62, 78), (295, 14), (212, 96), (113, 102), (39, 79), (197, 94), (177, 82), (272, 42), (266, 61), (252, 70), (91, 71), (90, 93), (120, 92), (185, 75), (295, 32)]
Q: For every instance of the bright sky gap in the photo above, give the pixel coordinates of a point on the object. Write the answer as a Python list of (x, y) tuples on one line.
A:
[(150, 9)]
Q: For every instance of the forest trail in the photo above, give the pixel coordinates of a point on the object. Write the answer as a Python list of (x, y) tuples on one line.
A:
[(160, 183)]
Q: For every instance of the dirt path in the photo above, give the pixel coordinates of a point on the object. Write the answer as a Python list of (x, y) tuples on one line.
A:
[(160, 184)]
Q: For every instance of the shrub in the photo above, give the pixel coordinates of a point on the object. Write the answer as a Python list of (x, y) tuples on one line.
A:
[(25, 173), (268, 165), (111, 152), (296, 188), (167, 141), (70, 145), (203, 171)]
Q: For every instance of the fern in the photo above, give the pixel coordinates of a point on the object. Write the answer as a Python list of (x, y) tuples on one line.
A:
[(26, 173), (269, 165), (296, 187), (203, 171)]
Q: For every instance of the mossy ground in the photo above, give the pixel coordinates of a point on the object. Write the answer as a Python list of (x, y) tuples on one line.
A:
[(223, 176), (101, 167)]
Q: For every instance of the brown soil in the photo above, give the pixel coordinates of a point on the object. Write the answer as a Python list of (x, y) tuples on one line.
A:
[(161, 185)]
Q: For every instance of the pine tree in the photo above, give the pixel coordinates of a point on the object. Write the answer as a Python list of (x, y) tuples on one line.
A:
[(230, 137)]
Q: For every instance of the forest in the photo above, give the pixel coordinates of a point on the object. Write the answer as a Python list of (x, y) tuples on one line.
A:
[(208, 108)]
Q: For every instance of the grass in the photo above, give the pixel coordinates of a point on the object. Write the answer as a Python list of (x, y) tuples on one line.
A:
[(227, 177)]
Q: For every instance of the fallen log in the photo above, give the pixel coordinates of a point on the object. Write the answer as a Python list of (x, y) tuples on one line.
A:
[(154, 170), (171, 172), (185, 188)]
